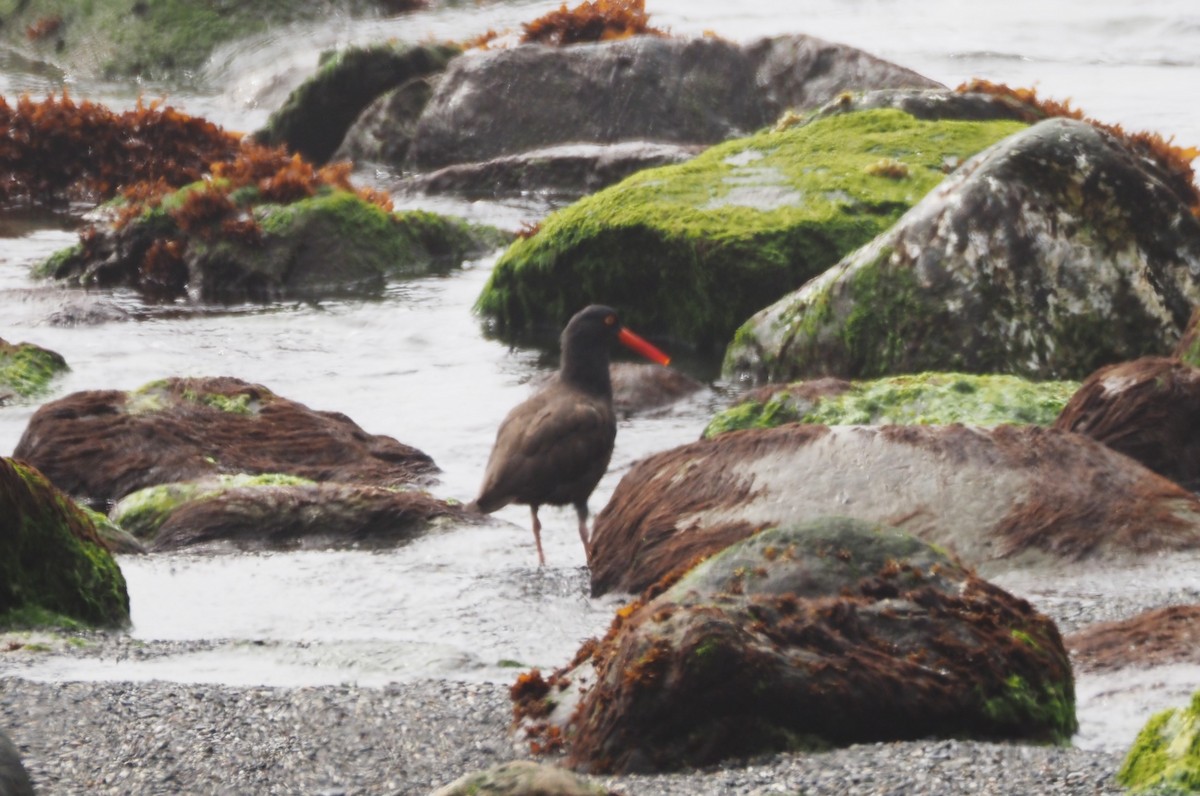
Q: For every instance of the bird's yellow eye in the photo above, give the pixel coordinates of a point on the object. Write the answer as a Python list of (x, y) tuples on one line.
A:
[(609, 320)]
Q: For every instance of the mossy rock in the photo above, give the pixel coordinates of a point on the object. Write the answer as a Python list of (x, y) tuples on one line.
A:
[(1165, 758), (1052, 253), (117, 39), (315, 117), (54, 569), (925, 399), (105, 444), (143, 512), (824, 633), (26, 370), (690, 251), (332, 243)]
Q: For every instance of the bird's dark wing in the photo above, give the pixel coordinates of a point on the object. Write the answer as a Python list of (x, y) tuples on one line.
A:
[(551, 449)]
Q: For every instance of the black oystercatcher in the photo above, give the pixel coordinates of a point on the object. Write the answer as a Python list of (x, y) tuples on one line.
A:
[(554, 447)]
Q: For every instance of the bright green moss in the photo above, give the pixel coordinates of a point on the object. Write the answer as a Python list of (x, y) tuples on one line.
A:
[(27, 370), (1051, 707), (919, 399), (1165, 758), (239, 404), (53, 567), (692, 250)]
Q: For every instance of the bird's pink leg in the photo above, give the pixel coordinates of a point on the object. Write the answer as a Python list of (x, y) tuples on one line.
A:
[(537, 535), (583, 530)]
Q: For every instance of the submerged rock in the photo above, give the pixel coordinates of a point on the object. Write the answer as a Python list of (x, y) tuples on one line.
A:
[(54, 568), (830, 632), (1012, 496), (102, 445), (690, 251), (1148, 409), (1052, 253), (923, 398)]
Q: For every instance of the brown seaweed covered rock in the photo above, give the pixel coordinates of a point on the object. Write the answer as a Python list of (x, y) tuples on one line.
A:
[(281, 513), (1156, 637), (54, 567), (999, 498), (835, 631), (1148, 409), (101, 445)]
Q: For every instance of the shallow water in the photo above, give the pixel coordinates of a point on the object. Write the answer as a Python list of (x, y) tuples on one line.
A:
[(416, 364)]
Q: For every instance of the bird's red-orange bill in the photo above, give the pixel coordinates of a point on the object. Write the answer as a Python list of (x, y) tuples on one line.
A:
[(635, 343)]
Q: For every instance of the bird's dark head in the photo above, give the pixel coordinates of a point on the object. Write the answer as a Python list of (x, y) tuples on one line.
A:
[(593, 323), (587, 341)]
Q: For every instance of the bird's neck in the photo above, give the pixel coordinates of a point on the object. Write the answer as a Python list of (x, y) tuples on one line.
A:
[(587, 373)]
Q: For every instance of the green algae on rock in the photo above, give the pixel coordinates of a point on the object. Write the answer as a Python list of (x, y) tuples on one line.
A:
[(143, 512), (690, 251), (1050, 254), (827, 632), (923, 398), (54, 569), (1165, 758), (26, 370)]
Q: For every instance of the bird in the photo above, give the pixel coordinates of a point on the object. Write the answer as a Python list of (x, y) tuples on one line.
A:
[(553, 448)]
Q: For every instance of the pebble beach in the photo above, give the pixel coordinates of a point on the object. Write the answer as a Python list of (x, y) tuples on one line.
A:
[(157, 737)]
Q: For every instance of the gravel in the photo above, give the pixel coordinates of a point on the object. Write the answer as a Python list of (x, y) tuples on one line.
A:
[(167, 738), (410, 738)]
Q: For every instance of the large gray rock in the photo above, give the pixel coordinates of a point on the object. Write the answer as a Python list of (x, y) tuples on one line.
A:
[(501, 102), (1055, 251), (314, 119)]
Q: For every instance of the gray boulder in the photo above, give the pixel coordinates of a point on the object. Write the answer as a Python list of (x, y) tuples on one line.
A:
[(687, 91), (1053, 252)]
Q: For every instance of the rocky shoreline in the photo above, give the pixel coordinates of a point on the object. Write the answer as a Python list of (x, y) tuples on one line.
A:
[(411, 738), (167, 738)]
